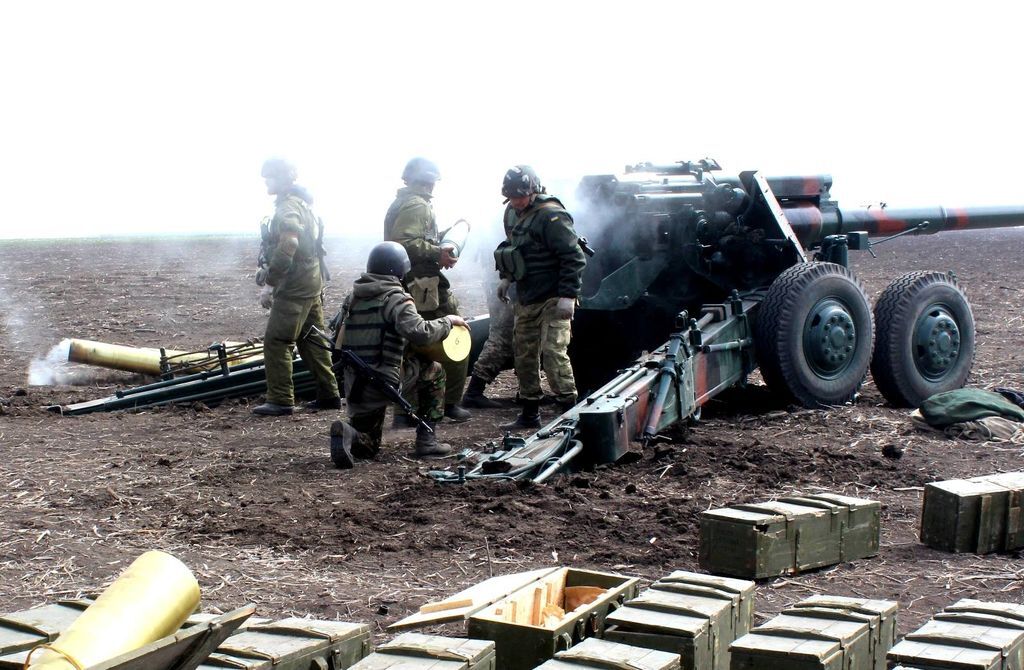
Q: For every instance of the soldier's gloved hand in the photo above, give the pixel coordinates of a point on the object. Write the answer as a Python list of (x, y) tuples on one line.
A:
[(565, 308), (261, 276), (503, 288), (445, 258), (266, 297), (457, 320)]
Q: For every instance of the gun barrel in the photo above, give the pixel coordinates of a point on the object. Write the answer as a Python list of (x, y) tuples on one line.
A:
[(812, 224)]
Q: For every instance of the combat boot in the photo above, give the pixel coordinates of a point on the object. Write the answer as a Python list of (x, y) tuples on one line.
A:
[(475, 398), (341, 445), (273, 409), (456, 414), (348, 443), (427, 445), (528, 418)]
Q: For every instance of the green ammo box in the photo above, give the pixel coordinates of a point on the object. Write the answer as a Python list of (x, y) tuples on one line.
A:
[(413, 651), (532, 615), (20, 631), (184, 649), (788, 535), (694, 615), (880, 615), (981, 514), (835, 642), (293, 644), (596, 653), (969, 635)]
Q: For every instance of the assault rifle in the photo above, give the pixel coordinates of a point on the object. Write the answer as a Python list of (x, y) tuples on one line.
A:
[(365, 373)]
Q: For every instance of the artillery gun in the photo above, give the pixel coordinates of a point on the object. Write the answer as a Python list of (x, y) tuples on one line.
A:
[(716, 275)]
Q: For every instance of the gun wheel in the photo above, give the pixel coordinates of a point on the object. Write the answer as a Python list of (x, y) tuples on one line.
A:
[(924, 342), (813, 334)]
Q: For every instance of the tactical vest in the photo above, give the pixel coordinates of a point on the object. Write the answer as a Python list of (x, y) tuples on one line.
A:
[(524, 256), (369, 334)]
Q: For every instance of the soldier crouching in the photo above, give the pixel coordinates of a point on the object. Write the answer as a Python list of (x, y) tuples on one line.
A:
[(378, 319)]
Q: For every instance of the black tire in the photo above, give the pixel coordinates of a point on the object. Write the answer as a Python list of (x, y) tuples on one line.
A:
[(924, 338), (813, 334)]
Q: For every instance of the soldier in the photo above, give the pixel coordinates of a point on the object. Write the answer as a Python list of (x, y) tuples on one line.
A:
[(410, 222), (542, 256), (292, 283), (378, 318)]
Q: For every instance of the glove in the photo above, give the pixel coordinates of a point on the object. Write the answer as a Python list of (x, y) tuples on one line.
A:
[(503, 287), (267, 297), (565, 308), (261, 276)]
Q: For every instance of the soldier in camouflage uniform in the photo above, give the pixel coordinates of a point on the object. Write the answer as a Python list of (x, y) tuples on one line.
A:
[(410, 222), (292, 284), (378, 317), (542, 256)]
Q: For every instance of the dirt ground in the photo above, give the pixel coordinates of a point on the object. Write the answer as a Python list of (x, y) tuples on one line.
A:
[(255, 508)]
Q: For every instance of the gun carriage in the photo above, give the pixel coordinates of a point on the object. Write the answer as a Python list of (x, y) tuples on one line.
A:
[(700, 277)]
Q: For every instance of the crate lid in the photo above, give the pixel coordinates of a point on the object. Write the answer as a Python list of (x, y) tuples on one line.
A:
[(695, 604), (595, 652), (438, 647), (467, 602), (883, 608), (945, 655), (796, 645), (643, 620), (288, 638), (738, 586), (771, 512), (1008, 610), (27, 628)]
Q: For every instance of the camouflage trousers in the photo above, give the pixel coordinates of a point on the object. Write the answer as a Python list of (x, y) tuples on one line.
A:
[(541, 340), (288, 326), (497, 354), (455, 373), (422, 383)]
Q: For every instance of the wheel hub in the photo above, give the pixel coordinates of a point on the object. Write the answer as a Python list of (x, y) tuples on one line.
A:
[(936, 342), (830, 338)]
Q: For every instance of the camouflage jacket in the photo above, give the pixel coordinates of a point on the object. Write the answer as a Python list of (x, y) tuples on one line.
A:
[(545, 240), (379, 318), (297, 277), (410, 221)]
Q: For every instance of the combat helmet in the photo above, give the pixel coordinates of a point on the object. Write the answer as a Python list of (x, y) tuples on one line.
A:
[(280, 169), (520, 181), (420, 171), (388, 258)]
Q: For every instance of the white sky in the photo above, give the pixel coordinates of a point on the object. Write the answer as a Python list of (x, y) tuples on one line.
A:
[(144, 117)]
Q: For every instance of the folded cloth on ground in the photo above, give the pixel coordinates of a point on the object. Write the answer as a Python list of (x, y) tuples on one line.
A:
[(994, 428), (962, 405)]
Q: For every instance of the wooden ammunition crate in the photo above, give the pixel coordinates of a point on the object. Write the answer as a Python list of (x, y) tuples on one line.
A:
[(694, 615), (880, 615), (595, 653), (412, 651), (293, 644), (809, 638), (788, 535), (184, 649), (532, 615), (981, 515), (968, 635)]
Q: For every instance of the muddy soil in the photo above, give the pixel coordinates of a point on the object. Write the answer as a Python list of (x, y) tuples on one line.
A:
[(255, 508)]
